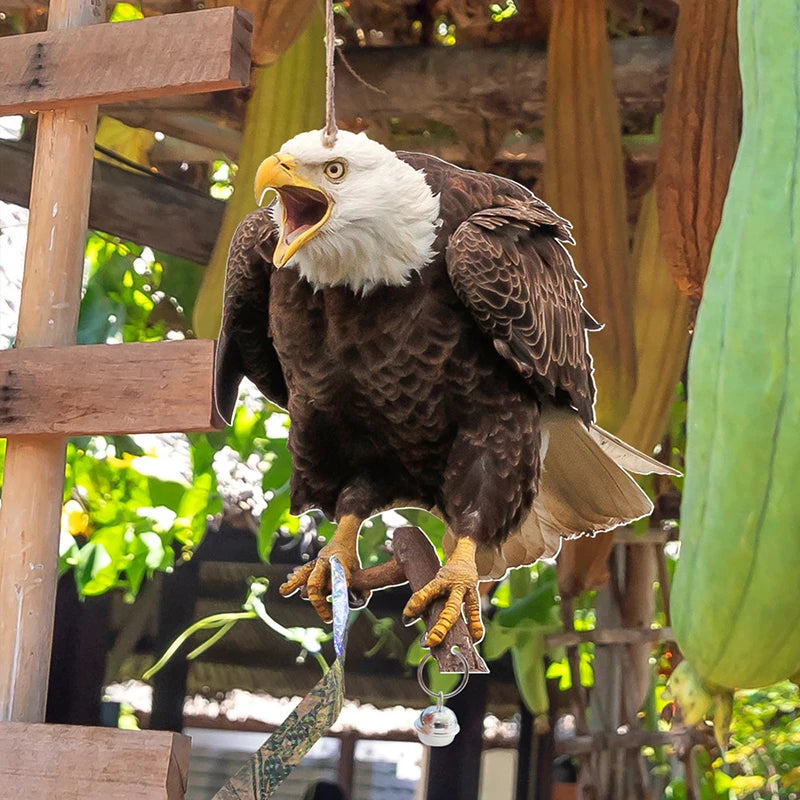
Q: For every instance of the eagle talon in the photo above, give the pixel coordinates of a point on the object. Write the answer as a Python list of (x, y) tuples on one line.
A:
[(314, 578), (458, 579)]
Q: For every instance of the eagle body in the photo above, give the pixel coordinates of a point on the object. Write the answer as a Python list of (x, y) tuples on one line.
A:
[(427, 336), (396, 399)]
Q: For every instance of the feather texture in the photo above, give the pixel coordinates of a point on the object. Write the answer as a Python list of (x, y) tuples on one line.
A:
[(584, 489), (430, 391), (509, 266)]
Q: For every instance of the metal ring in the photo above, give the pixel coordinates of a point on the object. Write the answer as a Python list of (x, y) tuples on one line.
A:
[(464, 678)]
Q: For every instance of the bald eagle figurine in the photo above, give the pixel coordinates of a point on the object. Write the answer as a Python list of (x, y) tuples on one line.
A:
[(423, 326)]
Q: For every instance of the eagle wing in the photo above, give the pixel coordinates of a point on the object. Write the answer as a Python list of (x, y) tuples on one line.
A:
[(510, 267), (245, 344)]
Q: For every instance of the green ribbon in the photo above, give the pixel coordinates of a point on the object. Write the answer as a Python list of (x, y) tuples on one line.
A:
[(309, 721)]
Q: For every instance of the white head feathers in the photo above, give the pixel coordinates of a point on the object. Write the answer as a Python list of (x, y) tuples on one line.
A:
[(383, 219)]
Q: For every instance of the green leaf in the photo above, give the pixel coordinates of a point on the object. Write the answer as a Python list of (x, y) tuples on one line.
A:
[(536, 605), (498, 640), (101, 318), (195, 499), (155, 549), (416, 652), (181, 280), (519, 581), (96, 572), (165, 493), (124, 12), (68, 552), (135, 571), (372, 543), (271, 519), (203, 450), (278, 463), (245, 428), (432, 526), (560, 669), (441, 681), (529, 670)]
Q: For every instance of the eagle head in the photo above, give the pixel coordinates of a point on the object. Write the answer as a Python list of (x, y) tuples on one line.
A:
[(353, 214)]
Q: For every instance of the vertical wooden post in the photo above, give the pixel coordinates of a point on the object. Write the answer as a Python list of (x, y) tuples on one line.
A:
[(34, 466)]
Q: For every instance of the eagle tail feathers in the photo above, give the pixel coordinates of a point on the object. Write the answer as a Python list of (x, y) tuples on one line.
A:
[(585, 488), (628, 457)]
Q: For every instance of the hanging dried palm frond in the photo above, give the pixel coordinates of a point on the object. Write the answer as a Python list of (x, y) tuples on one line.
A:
[(700, 137), (584, 181), (274, 114), (662, 335)]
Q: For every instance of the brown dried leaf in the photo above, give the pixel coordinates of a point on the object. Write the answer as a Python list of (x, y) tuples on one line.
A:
[(700, 137)]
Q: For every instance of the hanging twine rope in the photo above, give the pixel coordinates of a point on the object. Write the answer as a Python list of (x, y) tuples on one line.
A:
[(330, 130)]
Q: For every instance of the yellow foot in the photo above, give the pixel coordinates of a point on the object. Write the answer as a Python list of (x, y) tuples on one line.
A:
[(458, 579), (316, 575)]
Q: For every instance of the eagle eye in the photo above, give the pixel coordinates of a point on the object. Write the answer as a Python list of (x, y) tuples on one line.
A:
[(335, 169)]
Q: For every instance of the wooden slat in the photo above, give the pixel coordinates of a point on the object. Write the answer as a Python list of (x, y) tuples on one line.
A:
[(155, 387), (134, 207), (199, 51), (65, 762), (608, 636), (629, 740)]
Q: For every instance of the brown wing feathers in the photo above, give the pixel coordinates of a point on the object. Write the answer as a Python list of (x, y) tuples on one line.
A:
[(245, 345), (509, 266)]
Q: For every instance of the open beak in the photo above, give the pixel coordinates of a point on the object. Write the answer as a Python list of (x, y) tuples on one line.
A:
[(305, 207)]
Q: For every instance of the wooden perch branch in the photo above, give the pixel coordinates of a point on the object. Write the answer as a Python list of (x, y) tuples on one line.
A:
[(416, 562)]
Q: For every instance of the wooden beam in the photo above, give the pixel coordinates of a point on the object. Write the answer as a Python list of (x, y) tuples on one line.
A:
[(460, 85), (176, 54), (523, 152), (135, 207), (207, 131), (33, 478), (155, 387), (451, 85), (628, 740), (80, 763), (608, 636)]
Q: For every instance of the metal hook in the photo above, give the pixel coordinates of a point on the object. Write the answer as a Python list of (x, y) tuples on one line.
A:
[(440, 696)]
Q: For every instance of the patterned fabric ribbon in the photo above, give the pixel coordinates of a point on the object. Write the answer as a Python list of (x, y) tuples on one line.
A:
[(313, 716)]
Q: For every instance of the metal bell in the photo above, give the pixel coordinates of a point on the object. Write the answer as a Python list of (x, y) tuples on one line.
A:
[(436, 726)]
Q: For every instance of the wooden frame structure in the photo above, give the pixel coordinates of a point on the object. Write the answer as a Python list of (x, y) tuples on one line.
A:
[(64, 73)]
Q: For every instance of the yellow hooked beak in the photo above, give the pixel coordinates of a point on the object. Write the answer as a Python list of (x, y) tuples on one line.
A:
[(305, 207)]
